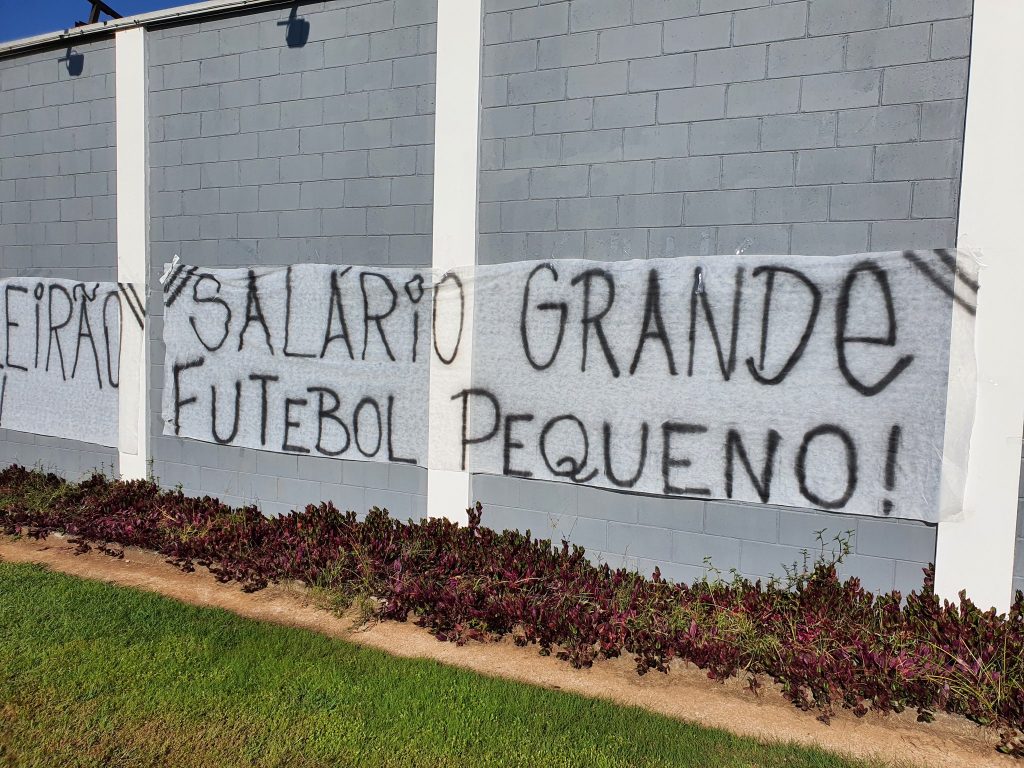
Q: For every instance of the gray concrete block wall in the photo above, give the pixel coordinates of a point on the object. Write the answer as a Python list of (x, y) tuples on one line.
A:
[(612, 129), (58, 199), (265, 154), (636, 128), (617, 129)]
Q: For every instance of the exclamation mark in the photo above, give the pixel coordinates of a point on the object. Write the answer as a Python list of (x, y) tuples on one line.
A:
[(415, 333), (890, 465), (3, 395)]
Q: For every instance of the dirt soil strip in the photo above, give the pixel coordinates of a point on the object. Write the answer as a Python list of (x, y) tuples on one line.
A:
[(685, 693)]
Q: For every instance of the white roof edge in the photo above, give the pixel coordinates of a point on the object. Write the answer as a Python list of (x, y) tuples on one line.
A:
[(183, 12)]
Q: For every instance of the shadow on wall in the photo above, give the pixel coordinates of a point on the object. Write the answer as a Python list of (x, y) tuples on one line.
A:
[(74, 61), (296, 29)]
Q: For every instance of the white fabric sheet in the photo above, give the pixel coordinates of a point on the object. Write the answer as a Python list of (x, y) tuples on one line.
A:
[(800, 381), (311, 359), (61, 347)]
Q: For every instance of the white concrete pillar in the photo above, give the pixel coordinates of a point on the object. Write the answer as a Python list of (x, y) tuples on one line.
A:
[(976, 552), (132, 248), (456, 160)]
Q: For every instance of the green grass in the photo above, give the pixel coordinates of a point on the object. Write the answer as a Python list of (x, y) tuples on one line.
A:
[(92, 674)]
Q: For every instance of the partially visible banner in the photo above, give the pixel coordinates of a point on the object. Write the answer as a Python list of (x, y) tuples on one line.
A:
[(61, 350), (789, 380)]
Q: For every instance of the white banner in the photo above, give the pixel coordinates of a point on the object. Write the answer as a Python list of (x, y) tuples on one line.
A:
[(311, 359), (61, 349), (802, 381)]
